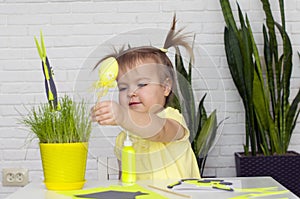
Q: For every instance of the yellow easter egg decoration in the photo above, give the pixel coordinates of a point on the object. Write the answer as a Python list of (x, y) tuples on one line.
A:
[(108, 72)]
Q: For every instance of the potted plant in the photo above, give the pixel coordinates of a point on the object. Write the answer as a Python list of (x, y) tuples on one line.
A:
[(263, 83), (63, 128), (202, 128)]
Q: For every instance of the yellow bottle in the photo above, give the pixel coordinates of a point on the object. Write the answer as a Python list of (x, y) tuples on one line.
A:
[(128, 163)]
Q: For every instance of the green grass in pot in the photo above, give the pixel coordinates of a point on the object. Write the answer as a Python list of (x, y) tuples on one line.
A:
[(68, 125)]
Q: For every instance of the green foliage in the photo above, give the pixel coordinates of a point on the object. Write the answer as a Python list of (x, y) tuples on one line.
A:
[(264, 86), (68, 125), (202, 128), (205, 136)]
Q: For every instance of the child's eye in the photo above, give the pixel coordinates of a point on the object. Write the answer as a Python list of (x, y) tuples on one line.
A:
[(142, 85), (122, 88)]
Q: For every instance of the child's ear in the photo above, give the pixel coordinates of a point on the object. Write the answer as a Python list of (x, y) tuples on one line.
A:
[(167, 86)]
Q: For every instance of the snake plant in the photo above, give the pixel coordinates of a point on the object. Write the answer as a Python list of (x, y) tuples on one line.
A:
[(263, 81), (202, 128)]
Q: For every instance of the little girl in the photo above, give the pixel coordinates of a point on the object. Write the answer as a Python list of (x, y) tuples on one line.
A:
[(159, 133)]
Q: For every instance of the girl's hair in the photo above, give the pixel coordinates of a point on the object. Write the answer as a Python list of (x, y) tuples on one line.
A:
[(128, 58)]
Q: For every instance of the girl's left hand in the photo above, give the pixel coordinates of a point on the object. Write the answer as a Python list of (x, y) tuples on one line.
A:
[(107, 113)]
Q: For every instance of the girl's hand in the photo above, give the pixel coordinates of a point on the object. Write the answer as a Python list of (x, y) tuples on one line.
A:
[(145, 125), (107, 113)]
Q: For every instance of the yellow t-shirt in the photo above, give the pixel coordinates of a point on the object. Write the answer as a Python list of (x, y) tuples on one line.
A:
[(158, 160)]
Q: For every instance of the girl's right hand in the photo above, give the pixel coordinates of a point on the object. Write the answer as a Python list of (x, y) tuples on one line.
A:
[(107, 113)]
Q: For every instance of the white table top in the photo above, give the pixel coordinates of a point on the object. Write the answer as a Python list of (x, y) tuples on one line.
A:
[(38, 190)]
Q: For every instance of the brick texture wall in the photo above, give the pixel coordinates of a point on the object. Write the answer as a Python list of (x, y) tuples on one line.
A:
[(75, 32)]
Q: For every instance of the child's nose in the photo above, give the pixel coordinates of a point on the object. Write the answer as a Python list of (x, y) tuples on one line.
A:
[(132, 92)]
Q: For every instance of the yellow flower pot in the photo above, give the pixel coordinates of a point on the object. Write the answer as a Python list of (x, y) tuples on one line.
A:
[(64, 165)]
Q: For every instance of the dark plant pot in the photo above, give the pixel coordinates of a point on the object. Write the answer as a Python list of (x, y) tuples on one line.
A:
[(283, 168), (201, 164)]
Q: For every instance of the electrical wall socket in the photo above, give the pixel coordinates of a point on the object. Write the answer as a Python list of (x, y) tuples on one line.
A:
[(14, 177)]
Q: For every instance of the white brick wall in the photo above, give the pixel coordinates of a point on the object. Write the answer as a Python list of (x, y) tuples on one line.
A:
[(73, 29)]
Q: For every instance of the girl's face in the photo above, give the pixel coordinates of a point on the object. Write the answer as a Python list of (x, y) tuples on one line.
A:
[(141, 88)]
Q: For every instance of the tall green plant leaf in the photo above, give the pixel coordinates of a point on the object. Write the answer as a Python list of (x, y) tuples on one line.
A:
[(206, 136), (203, 132), (186, 96), (268, 96), (292, 117)]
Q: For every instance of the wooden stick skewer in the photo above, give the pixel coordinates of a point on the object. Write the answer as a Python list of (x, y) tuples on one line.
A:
[(172, 192)]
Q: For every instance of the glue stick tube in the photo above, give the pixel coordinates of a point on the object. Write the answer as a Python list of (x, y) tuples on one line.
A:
[(128, 163)]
